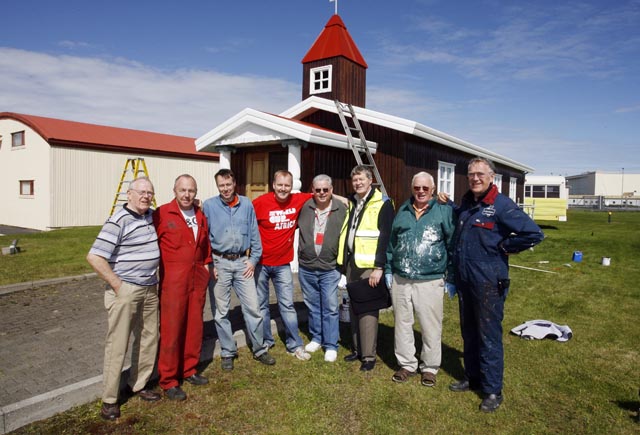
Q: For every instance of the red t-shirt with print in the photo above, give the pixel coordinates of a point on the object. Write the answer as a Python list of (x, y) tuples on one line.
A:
[(277, 224)]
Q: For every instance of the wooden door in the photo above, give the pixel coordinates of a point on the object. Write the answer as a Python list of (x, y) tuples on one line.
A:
[(257, 174)]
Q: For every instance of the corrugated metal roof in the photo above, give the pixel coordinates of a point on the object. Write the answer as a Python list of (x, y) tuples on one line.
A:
[(82, 135), (334, 41)]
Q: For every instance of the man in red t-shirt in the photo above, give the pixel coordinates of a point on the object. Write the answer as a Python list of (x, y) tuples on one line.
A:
[(277, 213)]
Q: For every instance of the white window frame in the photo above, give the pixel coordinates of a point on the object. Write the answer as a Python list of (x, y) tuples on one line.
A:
[(513, 186), (26, 188), (497, 180), (446, 178), (313, 80)]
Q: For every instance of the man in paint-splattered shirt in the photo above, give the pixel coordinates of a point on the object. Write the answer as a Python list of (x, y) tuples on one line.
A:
[(417, 260)]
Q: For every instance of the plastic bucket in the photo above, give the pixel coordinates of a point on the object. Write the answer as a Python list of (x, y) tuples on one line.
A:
[(606, 261), (577, 256)]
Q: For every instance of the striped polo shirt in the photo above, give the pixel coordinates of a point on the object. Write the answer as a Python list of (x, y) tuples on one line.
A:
[(128, 241)]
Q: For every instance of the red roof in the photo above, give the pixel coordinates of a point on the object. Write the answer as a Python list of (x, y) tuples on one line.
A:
[(333, 41), (73, 134)]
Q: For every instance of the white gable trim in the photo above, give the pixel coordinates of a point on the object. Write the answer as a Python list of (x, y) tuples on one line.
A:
[(250, 127), (313, 104)]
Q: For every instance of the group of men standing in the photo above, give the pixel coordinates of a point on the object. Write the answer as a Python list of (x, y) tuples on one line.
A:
[(425, 249)]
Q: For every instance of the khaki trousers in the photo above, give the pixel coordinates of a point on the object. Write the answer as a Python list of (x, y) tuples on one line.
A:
[(133, 310), (425, 299)]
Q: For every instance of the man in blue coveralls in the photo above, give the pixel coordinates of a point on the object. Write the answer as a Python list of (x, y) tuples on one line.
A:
[(490, 226)]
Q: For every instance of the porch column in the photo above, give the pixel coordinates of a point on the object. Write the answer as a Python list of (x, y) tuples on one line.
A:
[(294, 160), (225, 155)]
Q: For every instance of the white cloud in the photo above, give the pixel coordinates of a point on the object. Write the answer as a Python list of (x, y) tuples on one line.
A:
[(123, 93)]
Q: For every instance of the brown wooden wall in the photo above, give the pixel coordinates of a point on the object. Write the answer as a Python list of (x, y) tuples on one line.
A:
[(348, 81), (398, 158)]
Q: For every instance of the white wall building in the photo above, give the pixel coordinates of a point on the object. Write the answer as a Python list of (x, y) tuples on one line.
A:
[(57, 173), (601, 183)]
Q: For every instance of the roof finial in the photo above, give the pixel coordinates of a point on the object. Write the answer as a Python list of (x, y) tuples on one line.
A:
[(336, 6)]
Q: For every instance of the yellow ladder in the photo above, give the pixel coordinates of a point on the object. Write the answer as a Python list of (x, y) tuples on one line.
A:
[(361, 150), (133, 168)]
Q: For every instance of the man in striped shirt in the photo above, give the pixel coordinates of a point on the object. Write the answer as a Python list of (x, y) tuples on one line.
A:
[(126, 255)]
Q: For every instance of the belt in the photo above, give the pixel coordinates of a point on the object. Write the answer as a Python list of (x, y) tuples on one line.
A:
[(231, 256)]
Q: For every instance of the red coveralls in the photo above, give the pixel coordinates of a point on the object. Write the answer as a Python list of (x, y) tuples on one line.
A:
[(183, 285)]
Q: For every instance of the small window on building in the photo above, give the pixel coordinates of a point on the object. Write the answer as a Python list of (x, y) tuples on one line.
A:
[(26, 188), (497, 180), (446, 178), (17, 139), (320, 80), (513, 185), (537, 191), (553, 191)]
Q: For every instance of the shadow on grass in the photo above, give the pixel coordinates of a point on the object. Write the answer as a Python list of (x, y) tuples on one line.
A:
[(632, 406)]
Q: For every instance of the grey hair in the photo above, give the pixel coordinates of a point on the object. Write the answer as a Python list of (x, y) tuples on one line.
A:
[(427, 175), (322, 177), (361, 169), (135, 180), (484, 160)]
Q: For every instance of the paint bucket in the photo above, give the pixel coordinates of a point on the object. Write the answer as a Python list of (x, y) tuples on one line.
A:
[(577, 256), (606, 261)]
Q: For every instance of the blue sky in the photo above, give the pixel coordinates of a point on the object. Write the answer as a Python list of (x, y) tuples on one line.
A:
[(551, 84)]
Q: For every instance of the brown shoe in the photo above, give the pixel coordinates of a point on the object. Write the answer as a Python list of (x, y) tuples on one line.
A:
[(402, 375), (148, 395), (110, 411), (428, 379)]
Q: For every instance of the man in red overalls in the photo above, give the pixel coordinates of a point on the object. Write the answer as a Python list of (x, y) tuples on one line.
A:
[(185, 252)]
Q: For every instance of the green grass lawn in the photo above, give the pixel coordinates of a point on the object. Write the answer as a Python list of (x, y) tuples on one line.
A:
[(49, 254), (588, 385)]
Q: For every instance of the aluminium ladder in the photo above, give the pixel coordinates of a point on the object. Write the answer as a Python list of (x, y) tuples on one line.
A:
[(132, 169), (361, 150)]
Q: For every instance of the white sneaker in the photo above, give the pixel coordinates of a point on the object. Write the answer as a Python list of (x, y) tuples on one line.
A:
[(301, 354), (330, 355), (312, 346)]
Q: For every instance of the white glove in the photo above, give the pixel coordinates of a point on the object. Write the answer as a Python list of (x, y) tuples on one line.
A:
[(342, 285), (450, 289), (388, 280)]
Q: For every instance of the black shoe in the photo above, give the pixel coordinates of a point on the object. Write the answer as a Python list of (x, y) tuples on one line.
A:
[(265, 359), (353, 356), (463, 386), (227, 363), (176, 393), (110, 411), (491, 402), (367, 366), (196, 379)]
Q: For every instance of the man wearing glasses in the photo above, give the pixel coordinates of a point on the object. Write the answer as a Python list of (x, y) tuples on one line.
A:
[(125, 254), (490, 227), (418, 257), (183, 237), (320, 221)]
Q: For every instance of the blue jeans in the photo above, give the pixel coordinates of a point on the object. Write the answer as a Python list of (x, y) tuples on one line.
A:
[(283, 285), (320, 291), (230, 275)]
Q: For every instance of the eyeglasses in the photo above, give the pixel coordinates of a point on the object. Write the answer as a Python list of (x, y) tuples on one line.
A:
[(323, 189), (423, 188), (472, 175), (148, 193)]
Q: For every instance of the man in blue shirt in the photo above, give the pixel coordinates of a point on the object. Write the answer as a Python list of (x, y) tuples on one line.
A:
[(490, 227), (236, 248)]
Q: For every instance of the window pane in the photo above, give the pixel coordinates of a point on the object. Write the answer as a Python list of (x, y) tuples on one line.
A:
[(17, 139), (26, 187), (553, 191), (538, 191)]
